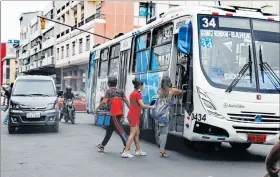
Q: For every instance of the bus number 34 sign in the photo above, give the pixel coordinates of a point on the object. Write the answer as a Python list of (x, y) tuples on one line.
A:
[(198, 117)]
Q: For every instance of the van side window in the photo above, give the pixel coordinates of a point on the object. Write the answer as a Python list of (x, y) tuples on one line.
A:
[(161, 48), (103, 67), (142, 53)]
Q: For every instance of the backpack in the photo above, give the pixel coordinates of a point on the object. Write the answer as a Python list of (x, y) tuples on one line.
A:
[(116, 105), (161, 112)]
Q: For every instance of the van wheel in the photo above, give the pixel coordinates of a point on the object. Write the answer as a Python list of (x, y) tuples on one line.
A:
[(240, 146), (11, 130), (55, 128)]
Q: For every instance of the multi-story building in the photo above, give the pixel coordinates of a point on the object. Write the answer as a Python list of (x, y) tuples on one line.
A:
[(67, 49), (37, 49), (73, 46), (2, 55), (9, 60)]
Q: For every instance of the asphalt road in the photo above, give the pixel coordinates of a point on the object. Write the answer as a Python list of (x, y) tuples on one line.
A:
[(72, 153)]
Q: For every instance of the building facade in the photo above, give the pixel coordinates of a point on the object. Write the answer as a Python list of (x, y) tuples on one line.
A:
[(64, 51), (36, 54), (9, 61), (73, 46), (3, 54)]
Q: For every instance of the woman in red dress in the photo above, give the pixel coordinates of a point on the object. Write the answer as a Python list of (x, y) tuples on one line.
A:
[(133, 116)]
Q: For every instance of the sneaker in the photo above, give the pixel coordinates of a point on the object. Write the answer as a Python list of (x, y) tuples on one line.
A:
[(123, 150), (140, 153), (100, 147), (127, 154), (5, 122)]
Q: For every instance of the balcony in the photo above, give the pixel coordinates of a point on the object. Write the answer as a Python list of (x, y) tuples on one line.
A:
[(24, 42), (73, 4), (62, 63), (25, 55), (48, 62), (28, 67), (85, 24), (34, 66), (40, 63), (81, 23), (80, 58), (34, 49), (23, 68), (48, 43), (35, 35), (95, 16)]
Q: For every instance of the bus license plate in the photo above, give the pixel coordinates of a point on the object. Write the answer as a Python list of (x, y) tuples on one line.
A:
[(33, 115), (256, 138)]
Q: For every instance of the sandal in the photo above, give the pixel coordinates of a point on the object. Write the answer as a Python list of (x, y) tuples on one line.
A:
[(163, 154)]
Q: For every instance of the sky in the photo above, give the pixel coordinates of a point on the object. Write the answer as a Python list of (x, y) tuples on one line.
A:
[(10, 13)]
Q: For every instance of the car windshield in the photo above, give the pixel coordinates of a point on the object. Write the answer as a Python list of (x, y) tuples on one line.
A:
[(34, 87), (267, 40), (225, 44)]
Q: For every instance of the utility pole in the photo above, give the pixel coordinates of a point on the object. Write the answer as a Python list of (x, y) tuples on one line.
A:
[(42, 20)]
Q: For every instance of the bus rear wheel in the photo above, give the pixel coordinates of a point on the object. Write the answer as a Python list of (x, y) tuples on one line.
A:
[(240, 146)]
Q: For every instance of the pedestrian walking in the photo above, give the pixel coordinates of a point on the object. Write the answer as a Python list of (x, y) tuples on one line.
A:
[(115, 98), (165, 97), (133, 116), (8, 93)]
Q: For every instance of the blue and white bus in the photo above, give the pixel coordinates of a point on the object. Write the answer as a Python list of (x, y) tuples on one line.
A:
[(227, 60)]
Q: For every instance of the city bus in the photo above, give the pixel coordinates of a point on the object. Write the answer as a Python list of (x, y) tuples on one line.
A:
[(226, 59)]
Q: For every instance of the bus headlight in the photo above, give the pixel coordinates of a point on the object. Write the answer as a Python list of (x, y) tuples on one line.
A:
[(208, 105)]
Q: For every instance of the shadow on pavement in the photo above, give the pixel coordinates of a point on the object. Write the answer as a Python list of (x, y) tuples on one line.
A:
[(181, 146), (34, 130)]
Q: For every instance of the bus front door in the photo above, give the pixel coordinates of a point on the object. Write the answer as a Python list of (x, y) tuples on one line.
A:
[(94, 81), (177, 118), (124, 56)]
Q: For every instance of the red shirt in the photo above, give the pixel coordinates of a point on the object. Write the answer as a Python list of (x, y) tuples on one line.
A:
[(135, 109)]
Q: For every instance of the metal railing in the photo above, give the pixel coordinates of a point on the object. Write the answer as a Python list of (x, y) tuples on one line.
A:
[(95, 16)]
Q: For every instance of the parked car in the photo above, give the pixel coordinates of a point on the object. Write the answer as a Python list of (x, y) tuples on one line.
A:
[(79, 101), (34, 103)]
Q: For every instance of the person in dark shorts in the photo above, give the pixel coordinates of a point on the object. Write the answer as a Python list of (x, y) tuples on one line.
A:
[(114, 97)]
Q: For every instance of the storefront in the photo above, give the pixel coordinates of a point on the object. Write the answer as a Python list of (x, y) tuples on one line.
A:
[(75, 77)]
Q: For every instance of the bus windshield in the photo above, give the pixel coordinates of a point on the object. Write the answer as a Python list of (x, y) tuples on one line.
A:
[(226, 47), (267, 40)]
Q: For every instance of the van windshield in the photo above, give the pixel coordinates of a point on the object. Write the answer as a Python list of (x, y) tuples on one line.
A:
[(34, 87)]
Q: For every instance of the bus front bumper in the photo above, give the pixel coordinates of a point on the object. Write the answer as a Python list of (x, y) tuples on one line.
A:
[(222, 130)]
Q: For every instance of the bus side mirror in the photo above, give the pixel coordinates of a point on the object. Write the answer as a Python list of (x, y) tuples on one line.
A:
[(184, 44)]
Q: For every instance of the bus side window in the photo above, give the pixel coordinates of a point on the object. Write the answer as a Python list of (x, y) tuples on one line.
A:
[(104, 60), (142, 53), (161, 48), (114, 60)]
